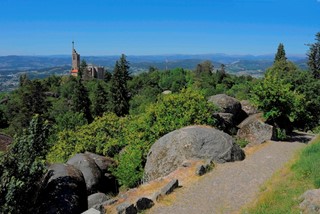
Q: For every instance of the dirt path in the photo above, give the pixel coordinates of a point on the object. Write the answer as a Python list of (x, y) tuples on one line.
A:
[(231, 185)]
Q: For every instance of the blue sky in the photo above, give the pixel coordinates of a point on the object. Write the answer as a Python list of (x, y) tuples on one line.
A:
[(144, 27)]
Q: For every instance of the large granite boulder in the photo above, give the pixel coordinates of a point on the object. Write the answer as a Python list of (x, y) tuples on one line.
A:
[(310, 201), (228, 105), (193, 142), (255, 131), (248, 108), (63, 190), (226, 123), (108, 182), (90, 170)]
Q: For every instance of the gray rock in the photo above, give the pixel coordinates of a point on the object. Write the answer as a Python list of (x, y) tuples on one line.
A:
[(167, 92), (226, 103), (229, 105), (226, 122), (201, 170), (255, 131), (97, 198), (194, 142), (186, 164), (92, 211), (310, 201), (155, 196), (104, 163), (126, 208), (144, 203), (91, 172), (63, 190), (167, 189), (108, 183), (248, 108)]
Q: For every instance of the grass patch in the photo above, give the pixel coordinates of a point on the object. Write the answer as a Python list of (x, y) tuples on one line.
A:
[(242, 142), (281, 193)]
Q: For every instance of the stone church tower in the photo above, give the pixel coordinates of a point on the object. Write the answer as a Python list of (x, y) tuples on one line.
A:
[(91, 72), (75, 61)]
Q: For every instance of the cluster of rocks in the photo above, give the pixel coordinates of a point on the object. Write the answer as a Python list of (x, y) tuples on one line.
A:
[(242, 119), (82, 182), (68, 188), (207, 143)]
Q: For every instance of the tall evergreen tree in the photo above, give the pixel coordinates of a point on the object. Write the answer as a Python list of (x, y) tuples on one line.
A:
[(100, 100), (82, 69), (80, 100), (314, 57), (281, 54), (119, 87), (124, 67)]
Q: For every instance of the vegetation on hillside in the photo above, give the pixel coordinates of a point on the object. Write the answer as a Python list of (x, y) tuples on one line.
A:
[(123, 115)]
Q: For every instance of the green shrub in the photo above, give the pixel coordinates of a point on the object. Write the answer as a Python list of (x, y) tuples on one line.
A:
[(22, 167), (281, 134), (242, 142), (109, 134), (130, 169)]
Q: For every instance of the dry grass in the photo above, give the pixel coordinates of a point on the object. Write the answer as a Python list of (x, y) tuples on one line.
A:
[(185, 175), (252, 149)]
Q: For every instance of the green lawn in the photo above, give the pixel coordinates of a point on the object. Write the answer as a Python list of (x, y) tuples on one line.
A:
[(281, 193)]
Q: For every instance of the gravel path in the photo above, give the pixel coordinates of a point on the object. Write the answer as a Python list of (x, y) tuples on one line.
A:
[(231, 185)]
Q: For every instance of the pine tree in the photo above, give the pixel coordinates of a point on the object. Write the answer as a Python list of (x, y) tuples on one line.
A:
[(119, 87), (80, 100), (281, 54), (314, 57), (82, 70), (99, 101)]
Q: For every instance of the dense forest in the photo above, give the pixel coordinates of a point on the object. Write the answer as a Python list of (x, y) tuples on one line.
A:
[(123, 115)]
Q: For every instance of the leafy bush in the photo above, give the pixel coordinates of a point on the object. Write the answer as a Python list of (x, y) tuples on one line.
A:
[(130, 168), (22, 167), (277, 100), (109, 134), (281, 134), (241, 142)]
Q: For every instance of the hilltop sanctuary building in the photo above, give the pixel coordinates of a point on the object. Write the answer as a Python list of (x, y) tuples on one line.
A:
[(92, 71)]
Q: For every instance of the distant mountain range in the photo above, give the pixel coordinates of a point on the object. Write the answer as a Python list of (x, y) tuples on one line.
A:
[(43, 66), (246, 62)]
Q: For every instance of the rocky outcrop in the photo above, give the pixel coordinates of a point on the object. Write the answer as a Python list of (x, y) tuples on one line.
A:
[(194, 142), (254, 130), (108, 182), (230, 113), (226, 103), (226, 123), (96, 171), (97, 198), (248, 108), (310, 201), (63, 190), (91, 172)]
